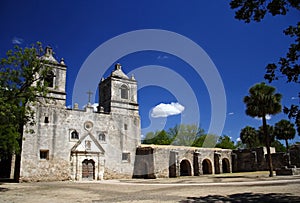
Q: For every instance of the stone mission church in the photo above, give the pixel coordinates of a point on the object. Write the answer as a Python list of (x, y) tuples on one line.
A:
[(83, 144), (75, 144)]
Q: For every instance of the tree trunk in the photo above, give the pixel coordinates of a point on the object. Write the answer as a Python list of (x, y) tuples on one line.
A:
[(18, 156), (287, 145), (268, 146)]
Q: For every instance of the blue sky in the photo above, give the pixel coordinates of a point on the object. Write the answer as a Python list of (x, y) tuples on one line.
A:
[(239, 51)]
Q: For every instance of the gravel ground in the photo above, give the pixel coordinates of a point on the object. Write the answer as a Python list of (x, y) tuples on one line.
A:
[(241, 187)]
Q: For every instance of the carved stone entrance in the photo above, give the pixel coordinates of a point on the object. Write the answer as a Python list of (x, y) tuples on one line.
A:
[(88, 169)]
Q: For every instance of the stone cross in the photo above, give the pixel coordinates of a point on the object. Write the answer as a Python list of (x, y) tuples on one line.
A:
[(90, 95)]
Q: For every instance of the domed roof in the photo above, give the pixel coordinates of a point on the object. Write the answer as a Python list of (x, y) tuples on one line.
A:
[(118, 72), (48, 56)]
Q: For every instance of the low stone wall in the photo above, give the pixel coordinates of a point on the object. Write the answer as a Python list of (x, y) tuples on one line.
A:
[(109, 174), (45, 170)]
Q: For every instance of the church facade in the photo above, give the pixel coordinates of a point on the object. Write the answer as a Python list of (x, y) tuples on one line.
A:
[(83, 144)]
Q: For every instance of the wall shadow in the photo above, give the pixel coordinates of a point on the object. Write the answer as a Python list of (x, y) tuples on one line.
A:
[(245, 197)]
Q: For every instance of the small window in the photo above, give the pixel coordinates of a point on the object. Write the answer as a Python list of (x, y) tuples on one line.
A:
[(126, 156), (88, 145), (74, 135), (102, 137), (46, 120), (49, 79), (44, 154), (124, 92), (125, 127)]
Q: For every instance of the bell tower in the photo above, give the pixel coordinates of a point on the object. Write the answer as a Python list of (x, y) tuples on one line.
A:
[(118, 93), (55, 78)]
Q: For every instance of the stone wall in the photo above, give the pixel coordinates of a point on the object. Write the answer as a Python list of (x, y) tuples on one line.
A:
[(158, 161), (46, 170), (249, 160), (295, 155)]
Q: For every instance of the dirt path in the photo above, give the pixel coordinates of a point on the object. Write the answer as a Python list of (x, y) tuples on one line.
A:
[(231, 188)]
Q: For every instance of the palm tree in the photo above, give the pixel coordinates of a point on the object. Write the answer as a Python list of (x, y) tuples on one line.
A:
[(261, 101), (284, 130), (262, 137), (249, 137)]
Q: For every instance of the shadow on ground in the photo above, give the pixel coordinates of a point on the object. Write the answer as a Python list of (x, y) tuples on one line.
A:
[(245, 197)]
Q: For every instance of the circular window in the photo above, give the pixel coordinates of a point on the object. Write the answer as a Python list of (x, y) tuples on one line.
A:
[(88, 125)]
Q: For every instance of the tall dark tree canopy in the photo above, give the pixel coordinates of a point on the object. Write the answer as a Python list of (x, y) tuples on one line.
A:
[(263, 100), (288, 65), (249, 136), (284, 130), (22, 76)]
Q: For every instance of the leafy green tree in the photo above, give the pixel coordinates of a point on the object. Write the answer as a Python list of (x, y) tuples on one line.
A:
[(279, 147), (284, 130), (263, 100), (249, 137), (287, 66), (209, 139), (158, 138), (225, 142), (186, 134), (22, 74)]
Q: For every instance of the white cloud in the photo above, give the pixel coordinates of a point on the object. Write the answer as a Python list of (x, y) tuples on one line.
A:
[(293, 98), (17, 40), (165, 110), (230, 113), (238, 139), (268, 117)]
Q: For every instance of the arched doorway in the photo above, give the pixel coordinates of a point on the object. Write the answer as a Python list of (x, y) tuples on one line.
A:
[(185, 168), (225, 165), (206, 166), (88, 169)]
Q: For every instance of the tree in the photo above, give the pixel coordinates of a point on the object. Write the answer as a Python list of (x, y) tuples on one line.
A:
[(263, 100), (22, 74), (284, 130), (158, 138), (262, 137), (209, 138), (225, 142), (249, 137), (186, 134), (287, 66), (279, 147)]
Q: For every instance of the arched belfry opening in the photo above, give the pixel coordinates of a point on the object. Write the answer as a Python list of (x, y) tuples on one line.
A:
[(49, 79), (206, 166), (124, 92), (185, 168)]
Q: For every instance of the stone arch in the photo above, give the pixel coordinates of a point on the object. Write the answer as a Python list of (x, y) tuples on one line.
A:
[(124, 92), (206, 166), (185, 168), (88, 169), (225, 165), (49, 79)]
